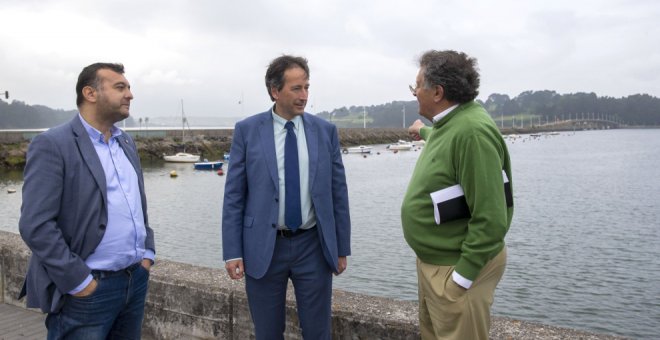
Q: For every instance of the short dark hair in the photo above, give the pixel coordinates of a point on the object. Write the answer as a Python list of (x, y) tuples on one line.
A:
[(277, 67), (455, 71), (89, 77)]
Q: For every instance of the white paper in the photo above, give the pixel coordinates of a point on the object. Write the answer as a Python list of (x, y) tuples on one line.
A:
[(444, 195)]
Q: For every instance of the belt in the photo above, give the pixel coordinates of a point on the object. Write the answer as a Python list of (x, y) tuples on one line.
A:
[(101, 274), (290, 233)]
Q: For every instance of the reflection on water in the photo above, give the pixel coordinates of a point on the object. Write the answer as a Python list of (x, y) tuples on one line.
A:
[(10, 203), (582, 247)]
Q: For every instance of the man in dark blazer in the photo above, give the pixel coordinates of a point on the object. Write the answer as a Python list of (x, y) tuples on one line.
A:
[(84, 216), (256, 238)]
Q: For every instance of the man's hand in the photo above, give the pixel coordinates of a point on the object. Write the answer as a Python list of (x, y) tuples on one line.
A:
[(89, 290), (146, 264), (413, 130), (235, 269), (342, 263)]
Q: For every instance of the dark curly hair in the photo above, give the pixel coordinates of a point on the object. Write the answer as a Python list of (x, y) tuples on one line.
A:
[(455, 71), (275, 73)]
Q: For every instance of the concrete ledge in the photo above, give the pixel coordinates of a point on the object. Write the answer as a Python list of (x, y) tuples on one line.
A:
[(191, 302)]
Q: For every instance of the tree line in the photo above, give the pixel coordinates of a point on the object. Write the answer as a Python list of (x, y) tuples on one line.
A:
[(18, 115), (638, 109)]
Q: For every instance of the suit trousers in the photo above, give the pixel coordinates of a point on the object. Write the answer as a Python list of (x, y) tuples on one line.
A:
[(449, 311), (299, 258)]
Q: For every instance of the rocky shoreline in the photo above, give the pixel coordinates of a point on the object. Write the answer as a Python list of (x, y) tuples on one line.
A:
[(12, 155)]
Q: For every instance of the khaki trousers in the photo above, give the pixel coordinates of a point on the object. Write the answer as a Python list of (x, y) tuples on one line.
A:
[(447, 310)]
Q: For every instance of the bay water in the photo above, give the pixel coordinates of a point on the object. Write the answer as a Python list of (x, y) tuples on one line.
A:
[(583, 247)]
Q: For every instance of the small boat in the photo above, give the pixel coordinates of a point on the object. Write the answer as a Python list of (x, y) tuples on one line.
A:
[(400, 145), (181, 157), (419, 143), (226, 156), (358, 149), (208, 165)]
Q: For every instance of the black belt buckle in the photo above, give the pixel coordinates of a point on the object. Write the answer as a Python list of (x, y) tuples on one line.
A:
[(286, 233), (102, 274), (290, 233)]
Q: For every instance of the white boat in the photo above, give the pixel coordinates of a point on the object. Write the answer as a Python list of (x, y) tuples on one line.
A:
[(400, 145), (181, 157), (358, 149), (419, 143)]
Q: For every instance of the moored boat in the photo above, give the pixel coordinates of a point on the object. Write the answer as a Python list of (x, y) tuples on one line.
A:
[(400, 145), (358, 149), (208, 165), (181, 157)]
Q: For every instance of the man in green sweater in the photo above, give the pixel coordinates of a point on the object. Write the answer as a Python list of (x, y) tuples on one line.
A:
[(458, 205)]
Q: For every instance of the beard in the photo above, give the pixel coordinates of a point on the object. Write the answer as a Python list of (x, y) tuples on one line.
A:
[(109, 111)]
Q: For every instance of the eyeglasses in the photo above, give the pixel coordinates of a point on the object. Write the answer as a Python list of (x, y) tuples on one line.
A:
[(413, 90)]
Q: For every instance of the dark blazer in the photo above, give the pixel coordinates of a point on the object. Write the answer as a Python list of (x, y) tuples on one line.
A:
[(64, 211), (250, 209)]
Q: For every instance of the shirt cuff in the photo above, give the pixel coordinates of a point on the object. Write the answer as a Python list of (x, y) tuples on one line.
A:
[(82, 285), (460, 280), (149, 254), (238, 258)]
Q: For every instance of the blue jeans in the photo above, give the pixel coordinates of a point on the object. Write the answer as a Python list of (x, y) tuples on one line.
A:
[(113, 311)]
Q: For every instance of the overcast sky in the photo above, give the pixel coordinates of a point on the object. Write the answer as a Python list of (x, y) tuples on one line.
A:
[(214, 53)]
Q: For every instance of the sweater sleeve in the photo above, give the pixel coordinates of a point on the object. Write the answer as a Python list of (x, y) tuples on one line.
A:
[(425, 132), (479, 170)]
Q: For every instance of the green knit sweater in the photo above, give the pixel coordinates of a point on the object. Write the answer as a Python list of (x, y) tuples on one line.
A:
[(465, 147)]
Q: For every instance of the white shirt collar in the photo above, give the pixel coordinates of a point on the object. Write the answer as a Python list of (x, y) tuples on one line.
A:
[(281, 121), (442, 114)]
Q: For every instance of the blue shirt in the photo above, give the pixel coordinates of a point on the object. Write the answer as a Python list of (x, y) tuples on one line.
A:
[(308, 216), (123, 243)]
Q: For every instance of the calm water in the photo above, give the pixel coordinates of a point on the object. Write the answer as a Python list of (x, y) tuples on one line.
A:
[(583, 246)]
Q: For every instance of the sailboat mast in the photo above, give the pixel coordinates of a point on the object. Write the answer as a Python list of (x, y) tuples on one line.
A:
[(183, 124), (403, 125), (183, 127)]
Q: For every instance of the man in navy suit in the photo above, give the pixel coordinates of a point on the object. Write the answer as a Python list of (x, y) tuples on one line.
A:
[(84, 216), (258, 237)]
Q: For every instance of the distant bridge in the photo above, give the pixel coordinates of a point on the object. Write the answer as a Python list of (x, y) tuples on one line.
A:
[(573, 121), (584, 124)]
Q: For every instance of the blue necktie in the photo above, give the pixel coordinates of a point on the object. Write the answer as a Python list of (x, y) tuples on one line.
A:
[(292, 214)]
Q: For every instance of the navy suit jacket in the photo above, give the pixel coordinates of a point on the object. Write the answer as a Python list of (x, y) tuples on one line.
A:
[(251, 207), (64, 210)]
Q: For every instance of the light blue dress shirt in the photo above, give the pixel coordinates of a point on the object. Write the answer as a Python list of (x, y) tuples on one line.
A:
[(123, 243), (308, 216)]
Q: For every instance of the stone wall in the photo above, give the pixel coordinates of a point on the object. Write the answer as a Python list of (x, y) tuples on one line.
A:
[(191, 302)]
